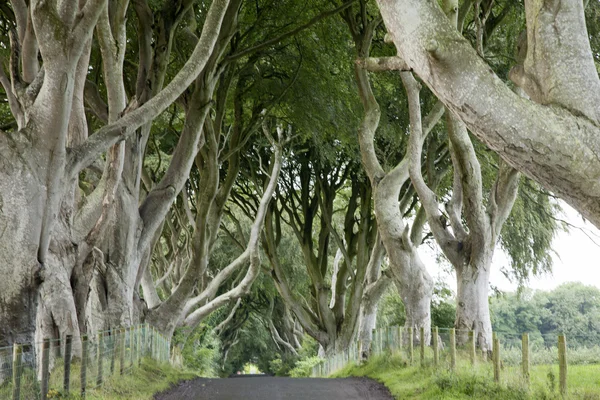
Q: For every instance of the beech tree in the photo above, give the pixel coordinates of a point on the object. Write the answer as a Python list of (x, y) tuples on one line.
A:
[(475, 223), (392, 197), (550, 136), (44, 156), (469, 245), (84, 87), (330, 313)]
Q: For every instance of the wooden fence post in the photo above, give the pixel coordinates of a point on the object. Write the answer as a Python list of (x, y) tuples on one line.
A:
[(151, 334), (452, 348), (138, 339), (84, 356), (496, 357), (16, 371), (422, 343), (140, 350), (144, 343), (134, 340), (400, 340), (67, 368), (410, 345), (436, 354), (472, 347), (525, 357), (562, 361), (100, 351), (45, 367), (131, 346), (121, 351), (113, 347)]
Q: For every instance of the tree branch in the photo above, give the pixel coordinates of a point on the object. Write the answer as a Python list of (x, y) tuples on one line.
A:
[(380, 64), (253, 244), (514, 127), (503, 195), (465, 161), (83, 155), (415, 147)]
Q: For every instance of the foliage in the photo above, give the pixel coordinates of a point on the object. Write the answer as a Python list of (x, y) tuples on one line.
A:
[(201, 349), (253, 345), (572, 309), (303, 367), (528, 232), (300, 366)]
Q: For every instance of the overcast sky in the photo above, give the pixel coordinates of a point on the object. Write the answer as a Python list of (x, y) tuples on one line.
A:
[(577, 259)]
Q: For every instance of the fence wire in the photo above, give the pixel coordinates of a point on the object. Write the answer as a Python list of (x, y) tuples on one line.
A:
[(506, 360), (53, 368)]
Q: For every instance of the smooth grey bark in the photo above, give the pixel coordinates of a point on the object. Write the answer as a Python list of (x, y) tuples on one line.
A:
[(552, 138), (469, 246), (409, 273), (33, 160), (376, 285), (39, 172)]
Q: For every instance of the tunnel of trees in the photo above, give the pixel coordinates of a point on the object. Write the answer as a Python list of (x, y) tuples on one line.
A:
[(258, 179)]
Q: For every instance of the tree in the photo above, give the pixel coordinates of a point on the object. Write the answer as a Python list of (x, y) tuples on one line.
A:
[(84, 243), (42, 159), (552, 136), (331, 311), (400, 237), (470, 245), (572, 309)]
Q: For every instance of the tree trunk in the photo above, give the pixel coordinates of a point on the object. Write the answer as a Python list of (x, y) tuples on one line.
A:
[(19, 229), (416, 290), (411, 277), (472, 303), (368, 321)]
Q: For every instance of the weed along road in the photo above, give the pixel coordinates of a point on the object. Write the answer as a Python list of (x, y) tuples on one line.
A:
[(270, 388)]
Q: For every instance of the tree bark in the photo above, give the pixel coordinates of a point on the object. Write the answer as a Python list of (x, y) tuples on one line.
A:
[(472, 303), (555, 144), (376, 286)]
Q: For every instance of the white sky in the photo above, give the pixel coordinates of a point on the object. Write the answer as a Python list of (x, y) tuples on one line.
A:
[(577, 259)]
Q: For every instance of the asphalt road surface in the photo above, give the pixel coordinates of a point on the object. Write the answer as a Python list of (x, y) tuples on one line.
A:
[(269, 388)]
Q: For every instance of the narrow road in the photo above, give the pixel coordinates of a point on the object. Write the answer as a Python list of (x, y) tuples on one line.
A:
[(269, 388)]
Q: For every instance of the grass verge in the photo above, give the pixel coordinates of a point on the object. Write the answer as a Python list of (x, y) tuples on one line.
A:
[(140, 383), (468, 382)]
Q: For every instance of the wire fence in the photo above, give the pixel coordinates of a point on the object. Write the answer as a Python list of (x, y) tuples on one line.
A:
[(511, 357), (56, 368)]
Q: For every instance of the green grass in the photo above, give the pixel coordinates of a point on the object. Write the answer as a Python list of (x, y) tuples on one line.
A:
[(468, 382), (138, 384)]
